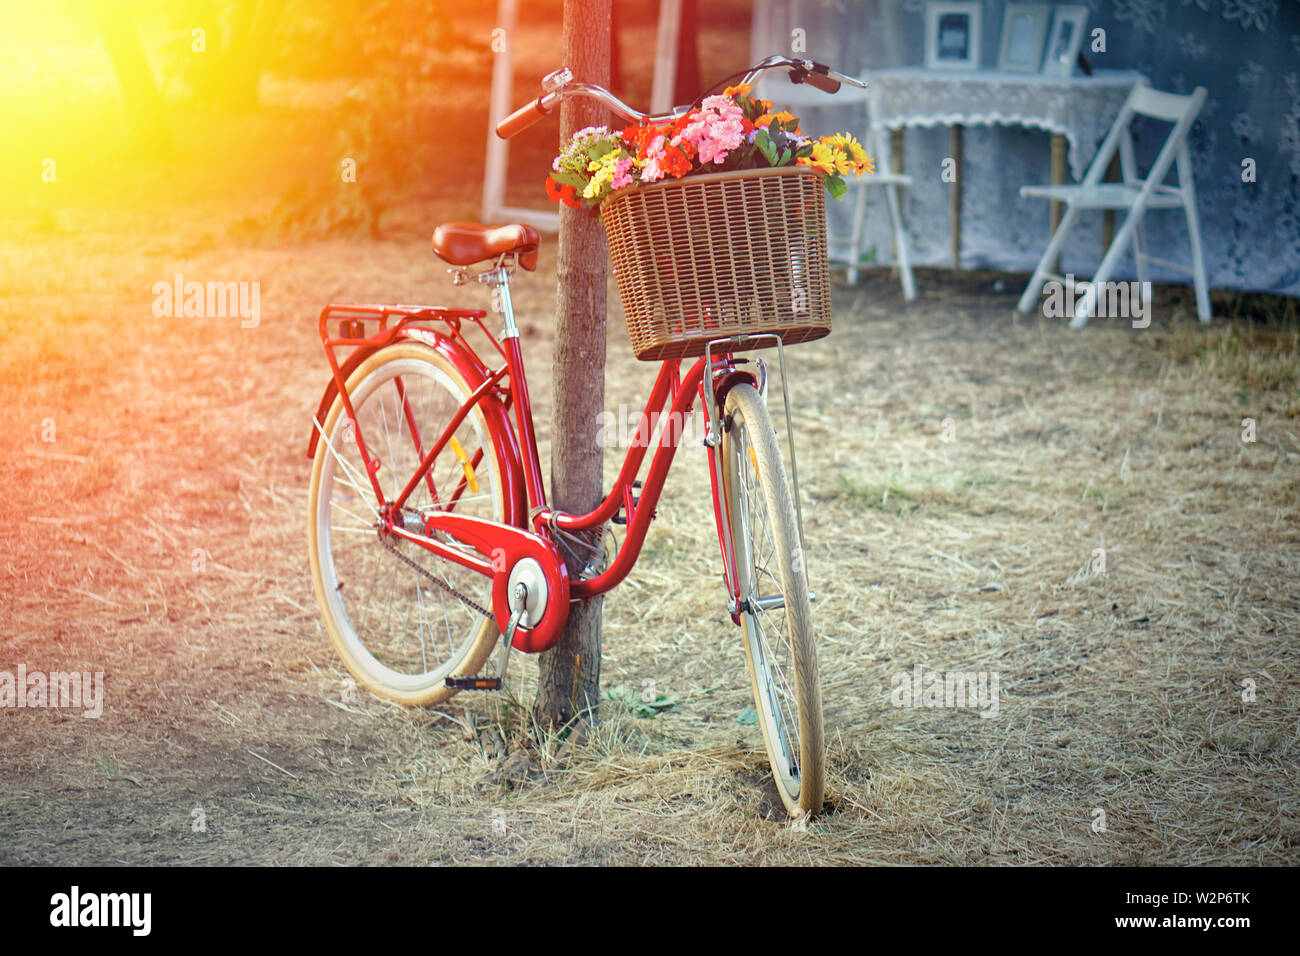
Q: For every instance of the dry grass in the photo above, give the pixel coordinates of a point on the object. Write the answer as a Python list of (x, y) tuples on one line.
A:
[(160, 538)]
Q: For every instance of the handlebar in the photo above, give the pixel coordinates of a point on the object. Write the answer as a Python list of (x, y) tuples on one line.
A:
[(560, 84)]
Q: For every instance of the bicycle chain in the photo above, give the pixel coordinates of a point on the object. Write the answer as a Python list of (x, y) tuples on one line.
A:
[(468, 602)]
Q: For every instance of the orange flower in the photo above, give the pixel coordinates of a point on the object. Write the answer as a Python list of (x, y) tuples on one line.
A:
[(783, 117), (740, 89), (676, 163)]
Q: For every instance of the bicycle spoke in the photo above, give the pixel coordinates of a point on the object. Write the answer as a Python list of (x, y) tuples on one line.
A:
[(391, 618)]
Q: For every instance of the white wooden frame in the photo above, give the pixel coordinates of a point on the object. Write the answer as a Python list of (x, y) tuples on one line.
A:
[(494, 208), (1028, 59), (1062, 64), (935, 10)]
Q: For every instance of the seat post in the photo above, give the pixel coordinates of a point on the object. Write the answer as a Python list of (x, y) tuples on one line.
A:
[(499, 279)]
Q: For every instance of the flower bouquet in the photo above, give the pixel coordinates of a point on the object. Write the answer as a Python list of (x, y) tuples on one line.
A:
[(730, 131), (716, 221)]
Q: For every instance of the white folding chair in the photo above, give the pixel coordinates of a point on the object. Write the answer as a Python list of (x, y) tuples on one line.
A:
[(1134, 194), (795, 98), (893, 184)]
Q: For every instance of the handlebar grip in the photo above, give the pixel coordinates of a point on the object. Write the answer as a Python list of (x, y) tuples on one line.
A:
[(521, 119), (823, 83)]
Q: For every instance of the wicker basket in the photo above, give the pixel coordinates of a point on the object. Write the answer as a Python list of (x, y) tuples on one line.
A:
[(721, 254)]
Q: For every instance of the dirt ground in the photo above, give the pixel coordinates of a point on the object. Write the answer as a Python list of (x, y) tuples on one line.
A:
[(960, 466)]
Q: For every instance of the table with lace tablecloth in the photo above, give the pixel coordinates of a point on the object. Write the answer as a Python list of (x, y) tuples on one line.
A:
[(1077, 110)]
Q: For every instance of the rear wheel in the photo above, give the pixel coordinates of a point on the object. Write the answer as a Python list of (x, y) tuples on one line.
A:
[(392, 608), (775, 613)]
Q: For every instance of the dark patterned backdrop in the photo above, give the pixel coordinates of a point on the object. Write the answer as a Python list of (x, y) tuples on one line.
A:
[(1245, 52)]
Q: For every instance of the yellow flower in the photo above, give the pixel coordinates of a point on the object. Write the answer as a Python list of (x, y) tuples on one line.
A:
[(603, 175), (740, 89), (850, 156), (823, 158)]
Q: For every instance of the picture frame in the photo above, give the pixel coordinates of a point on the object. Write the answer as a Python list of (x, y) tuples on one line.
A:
[(1064, 40), (1024, 35), (952, 34)]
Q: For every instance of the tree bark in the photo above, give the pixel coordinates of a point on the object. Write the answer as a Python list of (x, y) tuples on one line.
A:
[(570, 672)]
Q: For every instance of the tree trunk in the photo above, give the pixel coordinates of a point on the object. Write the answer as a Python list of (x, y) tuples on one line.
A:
[(570, 671)]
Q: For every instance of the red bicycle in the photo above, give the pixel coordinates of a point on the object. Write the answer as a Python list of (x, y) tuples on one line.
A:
[(429, 531)]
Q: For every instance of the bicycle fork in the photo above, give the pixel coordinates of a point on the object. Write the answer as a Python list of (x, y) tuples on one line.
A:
[(715, 425)]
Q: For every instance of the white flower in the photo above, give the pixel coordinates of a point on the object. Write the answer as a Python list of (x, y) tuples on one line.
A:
[(1190, 45), (1251, 13), (1145, 15), (1250, 75)]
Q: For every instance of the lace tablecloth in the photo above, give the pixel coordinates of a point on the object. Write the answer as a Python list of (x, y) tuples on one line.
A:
[(1080, 108)]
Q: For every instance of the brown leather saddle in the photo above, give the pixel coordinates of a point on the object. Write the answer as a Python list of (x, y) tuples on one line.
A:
[(465, 243)]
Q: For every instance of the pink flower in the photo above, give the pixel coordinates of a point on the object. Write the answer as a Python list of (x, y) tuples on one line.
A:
[(716, 129), (623, 173), (652, 170)]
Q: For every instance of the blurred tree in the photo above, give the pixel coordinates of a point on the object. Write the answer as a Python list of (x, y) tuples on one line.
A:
[(239, 44), (400, 57), (143, 105)]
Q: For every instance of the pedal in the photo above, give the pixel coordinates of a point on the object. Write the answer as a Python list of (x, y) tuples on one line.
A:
[(474, 682), (477, 682)]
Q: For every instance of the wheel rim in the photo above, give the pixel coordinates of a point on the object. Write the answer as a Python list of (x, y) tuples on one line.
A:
[(766, 632), (398, 625)]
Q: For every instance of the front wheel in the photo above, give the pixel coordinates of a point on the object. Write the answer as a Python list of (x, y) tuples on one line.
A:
[(775, 613)]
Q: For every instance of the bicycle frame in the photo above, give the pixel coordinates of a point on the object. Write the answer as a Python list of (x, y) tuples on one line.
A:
[(498, 391)]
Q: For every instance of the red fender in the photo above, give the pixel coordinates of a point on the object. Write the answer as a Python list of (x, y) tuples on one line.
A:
[(500, 430)]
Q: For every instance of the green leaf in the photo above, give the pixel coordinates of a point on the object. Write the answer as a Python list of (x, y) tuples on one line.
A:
[(835, 186), (652, 708), (623, 695), (765, 146), (576, 180), (785, 157), (631, 699)]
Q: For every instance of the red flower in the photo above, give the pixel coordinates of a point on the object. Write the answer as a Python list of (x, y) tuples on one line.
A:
[(639, 137), (562, 193)]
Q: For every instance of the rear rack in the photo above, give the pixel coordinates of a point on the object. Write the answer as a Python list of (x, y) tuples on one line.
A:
[(352, 321)]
